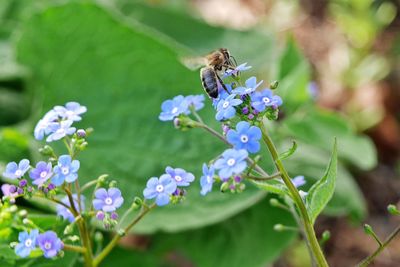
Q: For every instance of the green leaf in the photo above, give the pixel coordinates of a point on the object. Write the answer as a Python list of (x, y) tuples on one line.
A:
[(289, 152), (271, 186), (248, 233), (80, 52), (322, 191)]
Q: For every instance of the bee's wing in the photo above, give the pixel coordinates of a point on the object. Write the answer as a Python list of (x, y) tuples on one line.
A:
[(194, 63)]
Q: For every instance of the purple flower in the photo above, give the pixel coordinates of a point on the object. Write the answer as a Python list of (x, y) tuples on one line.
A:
[(241, 67), (65, 170), (50, 244), (108, 200), (298, 181), (207, 180), (245, 137), (66, 213), (173, 108), (71, 111), (181, 177), (41, 173), (225, 107), (59, 130), (264, 99), (9, 191), (251, 86), (14, 171), (160, 189), (42, 127), (196, 101), (27, 242), (232, 162)]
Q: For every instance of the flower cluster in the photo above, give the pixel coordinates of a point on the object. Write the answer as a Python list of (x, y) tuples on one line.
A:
[(106, 202), (241, 108), (48, 242), (168, 186)]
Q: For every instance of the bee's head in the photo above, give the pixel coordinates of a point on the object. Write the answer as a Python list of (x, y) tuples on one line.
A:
[(226, 53)]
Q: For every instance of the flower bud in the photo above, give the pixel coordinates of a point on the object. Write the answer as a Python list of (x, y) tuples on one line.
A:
[(100, 216), (393, 210), (23, 183), (224, 187), (274, 85), (98, 237), (121, 232), (250, 116), (114, 216), (12, 189), (113, 183), (13, 208), (23, 213), (46, 150), (81, 133), (20, 191), (279, 227), (245, 110), (137, 203), (51, 186)]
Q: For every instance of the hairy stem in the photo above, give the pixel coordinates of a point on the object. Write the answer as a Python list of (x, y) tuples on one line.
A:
[(99, 258), (308, 227), (75, 248), (368, 260)]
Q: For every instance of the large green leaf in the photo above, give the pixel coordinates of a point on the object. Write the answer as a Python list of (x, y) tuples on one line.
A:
[(223, 244), (322, 191), (80, 52)]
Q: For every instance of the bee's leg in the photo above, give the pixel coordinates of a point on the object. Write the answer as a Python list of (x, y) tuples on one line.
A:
[(228, 66), (222, 84)]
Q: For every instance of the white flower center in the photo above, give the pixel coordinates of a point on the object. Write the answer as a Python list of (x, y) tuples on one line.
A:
[(244, 138), (178, 178), (174, 110), (18, 173), (43, 174), (108, 201), (231, 162), (159, 188), (28, 242), (225, 104), (47, 245), (266, 100), (209, 179), (65, 170)]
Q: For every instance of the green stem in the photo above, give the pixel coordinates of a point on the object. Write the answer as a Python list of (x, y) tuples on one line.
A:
[(75, 248), (99, 258), (367, 261), (264, 178), (308, 227)]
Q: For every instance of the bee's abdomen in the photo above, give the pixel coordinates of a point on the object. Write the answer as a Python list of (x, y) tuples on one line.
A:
[(209, 81)]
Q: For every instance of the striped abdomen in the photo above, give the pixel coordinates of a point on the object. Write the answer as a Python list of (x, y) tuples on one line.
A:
[(210, 81)]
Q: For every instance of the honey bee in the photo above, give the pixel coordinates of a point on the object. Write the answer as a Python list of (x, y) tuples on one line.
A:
[(215, 62)]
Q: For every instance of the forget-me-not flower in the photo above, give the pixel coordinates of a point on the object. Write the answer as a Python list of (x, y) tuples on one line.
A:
[(207, 180), (298, 181), (251, 86), (245, 137), (27, 242), (41, 173), (42, 127), (197, 101), (108, 200), (226, 107), (232, 162), (160, 189), (71, 111), (235, 71), (50, 244), (181, 177), (9, 191), (172, 108), (65, 213), (222, 94), (65, 170), (59, 130), (261, 100), (16, 171)]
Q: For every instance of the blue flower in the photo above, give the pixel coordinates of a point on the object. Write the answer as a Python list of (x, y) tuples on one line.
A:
[(108, 200), (181, 177), (207, 180), (245, 137), (50, 244), (161, 189), (71, 111), (298, 181), (225, 107), (43, 126), (241, 67), (59, 130), (196, 101), (251, 86), (14, 171), (173, 108), (65, 170), (41, 173), (27, 242), (66, 213), (222, 94), (264, 99), (232, 162)]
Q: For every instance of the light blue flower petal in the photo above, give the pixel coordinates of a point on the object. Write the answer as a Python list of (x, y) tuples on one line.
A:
[(149, 193), (101, 193), (162, 199)]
